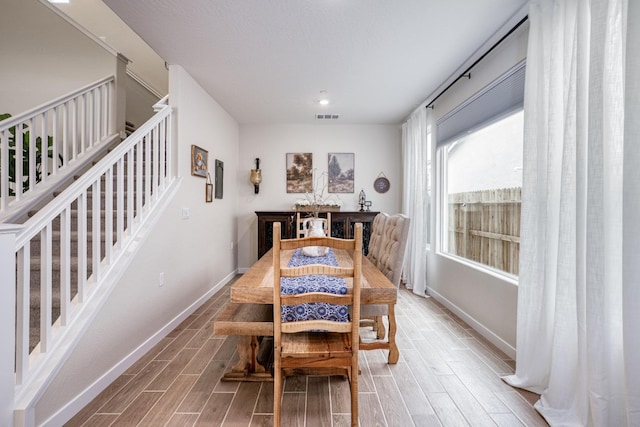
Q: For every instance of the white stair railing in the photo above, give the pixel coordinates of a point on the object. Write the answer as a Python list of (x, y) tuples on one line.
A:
[(38, 145), (77, 240)]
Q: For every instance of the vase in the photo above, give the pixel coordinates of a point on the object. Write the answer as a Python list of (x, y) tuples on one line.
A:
[(314, 227)]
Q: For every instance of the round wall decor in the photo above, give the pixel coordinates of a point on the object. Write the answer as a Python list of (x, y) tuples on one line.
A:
[(381, 184)]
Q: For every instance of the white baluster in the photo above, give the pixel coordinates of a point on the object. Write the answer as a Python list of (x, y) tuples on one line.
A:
[(139, 164), (162, 153), (147, 170), (82, 245), (4, 168), (108, 215), (46, 283), (96, 239), (120, 203), (19, 160), (44, 149), (130, 189), (65, 265)]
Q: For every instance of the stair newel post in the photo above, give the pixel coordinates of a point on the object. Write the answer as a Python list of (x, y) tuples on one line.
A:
[(8, 234), (118, 98)]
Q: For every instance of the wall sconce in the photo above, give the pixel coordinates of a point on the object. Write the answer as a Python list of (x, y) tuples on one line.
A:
[(256, 177)]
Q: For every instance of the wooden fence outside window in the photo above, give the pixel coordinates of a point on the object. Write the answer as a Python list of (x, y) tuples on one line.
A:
[(484, 226)]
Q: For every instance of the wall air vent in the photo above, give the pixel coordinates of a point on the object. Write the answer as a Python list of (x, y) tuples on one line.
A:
[(327, 116)]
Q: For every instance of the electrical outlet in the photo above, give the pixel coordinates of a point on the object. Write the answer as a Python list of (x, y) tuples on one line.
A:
[(184, 213), (161, 281)]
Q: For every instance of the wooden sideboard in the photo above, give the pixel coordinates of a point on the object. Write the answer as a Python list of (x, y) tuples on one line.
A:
[(341, 226)]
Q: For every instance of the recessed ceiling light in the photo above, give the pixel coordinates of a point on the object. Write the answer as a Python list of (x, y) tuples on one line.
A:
[(323, 99)]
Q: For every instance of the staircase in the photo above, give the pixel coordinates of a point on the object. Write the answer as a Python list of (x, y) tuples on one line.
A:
[(77, 222), (70, 253)]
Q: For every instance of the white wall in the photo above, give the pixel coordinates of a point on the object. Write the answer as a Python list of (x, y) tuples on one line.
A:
[(377, 149), (44, 57), (194, 254), (96, 17), (487, 301), (140, 103)]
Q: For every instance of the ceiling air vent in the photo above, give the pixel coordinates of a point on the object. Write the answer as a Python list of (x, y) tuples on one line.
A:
[(327, 116)]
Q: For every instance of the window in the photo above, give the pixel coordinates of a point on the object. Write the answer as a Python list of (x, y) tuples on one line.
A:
[(481, 187)]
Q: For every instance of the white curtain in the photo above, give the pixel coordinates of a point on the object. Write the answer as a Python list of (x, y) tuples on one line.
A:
[(578, 342), (415, 199)]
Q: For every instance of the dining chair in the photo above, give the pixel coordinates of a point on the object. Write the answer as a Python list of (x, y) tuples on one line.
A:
[(390, 258), (326, 346), (393, 247), (373, 254), (375, 237)]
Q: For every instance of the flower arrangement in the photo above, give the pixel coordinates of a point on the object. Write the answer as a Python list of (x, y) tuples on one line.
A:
[(318, 200)]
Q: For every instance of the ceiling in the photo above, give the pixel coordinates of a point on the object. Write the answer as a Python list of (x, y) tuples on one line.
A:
[(267, 61)]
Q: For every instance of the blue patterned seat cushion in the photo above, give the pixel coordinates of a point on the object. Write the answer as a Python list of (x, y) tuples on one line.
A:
[(313, 283)]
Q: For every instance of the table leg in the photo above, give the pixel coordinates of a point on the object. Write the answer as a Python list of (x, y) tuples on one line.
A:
[(394, 354), (378, 327), (247, 368), (247, 351)]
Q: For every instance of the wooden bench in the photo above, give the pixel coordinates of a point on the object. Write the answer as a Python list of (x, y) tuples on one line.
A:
[(250, 322)]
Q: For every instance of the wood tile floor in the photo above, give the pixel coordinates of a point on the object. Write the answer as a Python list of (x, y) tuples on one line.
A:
[(448, 375)]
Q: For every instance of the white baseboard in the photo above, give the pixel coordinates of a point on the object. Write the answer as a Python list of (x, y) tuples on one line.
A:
[(85, 397), (482, 330), (242, 270)]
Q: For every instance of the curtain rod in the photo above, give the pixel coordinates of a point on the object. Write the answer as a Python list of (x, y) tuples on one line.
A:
[(466, 73)]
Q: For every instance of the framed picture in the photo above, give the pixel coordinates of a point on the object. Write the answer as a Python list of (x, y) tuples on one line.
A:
[(299, 172), (219, 178), (208, 190), (341, 172), (199, 161)]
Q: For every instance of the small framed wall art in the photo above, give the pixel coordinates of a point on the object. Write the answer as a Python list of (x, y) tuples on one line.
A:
[(219, 178), (208, 190), (199, 161)]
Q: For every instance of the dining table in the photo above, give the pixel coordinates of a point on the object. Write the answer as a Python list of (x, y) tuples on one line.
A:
[(249, 312)]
